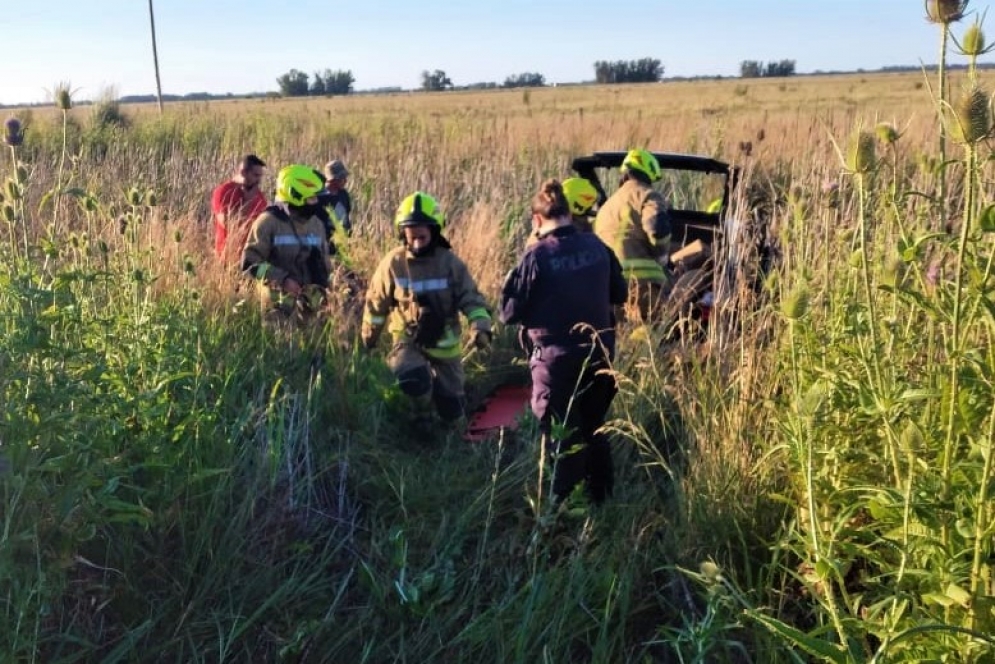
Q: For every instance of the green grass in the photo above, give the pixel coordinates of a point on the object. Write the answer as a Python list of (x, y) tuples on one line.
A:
[(183, 481)]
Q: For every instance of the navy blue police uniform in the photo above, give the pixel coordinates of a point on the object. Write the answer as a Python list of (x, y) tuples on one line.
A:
[(563, 293)]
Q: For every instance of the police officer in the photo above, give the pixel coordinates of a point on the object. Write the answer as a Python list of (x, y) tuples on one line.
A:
[(635, 223), (581, 197), (562, 292), (417, 293), (287, 250)]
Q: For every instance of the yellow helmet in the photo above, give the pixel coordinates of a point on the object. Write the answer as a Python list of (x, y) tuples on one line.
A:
[(296, 183), (643, 162), (419, 209), (581, 195)]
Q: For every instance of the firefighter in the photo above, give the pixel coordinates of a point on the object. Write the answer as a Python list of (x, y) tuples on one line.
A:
[(287, 251), (418, 292), (635, 223), (562, 292), (581, 197)]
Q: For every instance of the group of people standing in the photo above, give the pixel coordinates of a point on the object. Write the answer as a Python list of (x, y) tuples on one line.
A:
[(566, 293)]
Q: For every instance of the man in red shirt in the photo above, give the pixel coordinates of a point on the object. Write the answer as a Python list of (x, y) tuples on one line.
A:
[(235, 205)]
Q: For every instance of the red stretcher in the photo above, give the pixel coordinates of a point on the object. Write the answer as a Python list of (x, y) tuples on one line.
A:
[(501, 409)]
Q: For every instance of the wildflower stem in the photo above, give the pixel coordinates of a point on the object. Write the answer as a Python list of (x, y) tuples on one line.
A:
[(981, 509), (942, 83), (18, 204), (62, 163), (955, 340)]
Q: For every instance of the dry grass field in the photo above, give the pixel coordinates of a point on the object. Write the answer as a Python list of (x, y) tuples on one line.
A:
[(182, 482)]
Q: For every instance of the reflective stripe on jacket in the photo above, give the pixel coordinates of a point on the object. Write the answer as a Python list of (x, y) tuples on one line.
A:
[(280, 247), (404, 283), (634, 222)]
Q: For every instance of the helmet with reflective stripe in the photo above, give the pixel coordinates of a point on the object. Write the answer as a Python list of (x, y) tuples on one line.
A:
[(296, 183), (419, 209), (643, 162), (580, 194)]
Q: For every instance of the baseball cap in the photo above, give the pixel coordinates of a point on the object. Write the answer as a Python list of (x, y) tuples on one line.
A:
[(336, 170)]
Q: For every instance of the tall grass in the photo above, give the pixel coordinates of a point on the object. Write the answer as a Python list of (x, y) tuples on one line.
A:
[(185, 482)]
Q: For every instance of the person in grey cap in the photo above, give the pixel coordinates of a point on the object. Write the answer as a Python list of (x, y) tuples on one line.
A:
[(336, 198)]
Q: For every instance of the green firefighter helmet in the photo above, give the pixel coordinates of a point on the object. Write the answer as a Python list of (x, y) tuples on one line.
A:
[(295, 184), (580, 194), (419, 209), (644, 162)]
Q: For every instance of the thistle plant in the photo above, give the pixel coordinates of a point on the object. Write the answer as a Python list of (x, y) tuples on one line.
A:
[(943, 13), (972, 44), (62, 97), (13, 211), (861, 160), (888, 135), (973, 117)]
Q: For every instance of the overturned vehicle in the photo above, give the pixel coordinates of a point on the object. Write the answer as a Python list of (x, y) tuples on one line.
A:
[(714, 256)]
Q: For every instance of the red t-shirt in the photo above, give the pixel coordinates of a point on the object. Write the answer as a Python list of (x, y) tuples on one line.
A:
[(229, 198)]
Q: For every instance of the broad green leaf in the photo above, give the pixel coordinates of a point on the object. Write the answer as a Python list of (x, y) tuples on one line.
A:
[(958, 595), (937, 598), (986, 220), (814, 646)]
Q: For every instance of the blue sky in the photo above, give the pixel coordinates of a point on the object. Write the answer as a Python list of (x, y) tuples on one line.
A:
[(243, 45)]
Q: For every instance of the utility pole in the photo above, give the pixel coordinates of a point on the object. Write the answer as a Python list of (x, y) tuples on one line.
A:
[(155, 59)]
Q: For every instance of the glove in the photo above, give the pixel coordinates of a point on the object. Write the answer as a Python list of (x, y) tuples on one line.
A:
[(481, 339)]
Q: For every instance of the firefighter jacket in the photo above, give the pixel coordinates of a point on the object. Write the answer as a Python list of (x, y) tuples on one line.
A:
[(284, 245), (635, 224), (419, 299), (564, 287)]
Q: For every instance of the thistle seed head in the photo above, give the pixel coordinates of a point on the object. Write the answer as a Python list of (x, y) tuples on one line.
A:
[(13, 134), (795, 305), (945, 11), (12, 190), (887, 133), (974, 117), (860, 155), (62, 96), (972, 44)]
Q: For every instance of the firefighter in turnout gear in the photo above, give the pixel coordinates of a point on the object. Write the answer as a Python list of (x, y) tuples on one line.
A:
[(287, 249), (417, 293), (635, 224)]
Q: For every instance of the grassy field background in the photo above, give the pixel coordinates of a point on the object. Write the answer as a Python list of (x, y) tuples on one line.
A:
[(183, 482)]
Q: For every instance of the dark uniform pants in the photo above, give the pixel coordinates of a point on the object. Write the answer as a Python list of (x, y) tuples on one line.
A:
[(572, 387)]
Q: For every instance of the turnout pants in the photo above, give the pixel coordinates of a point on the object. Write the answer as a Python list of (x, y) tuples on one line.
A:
[(572, 387), (429, 381)]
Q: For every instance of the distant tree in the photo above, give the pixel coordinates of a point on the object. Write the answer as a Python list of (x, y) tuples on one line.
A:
[(644, 70), (293, 84), (317, 88), (330, 82), (757, 69), (338, 82), (750, 69), (436, 80), (782, 68), (526, 80)]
